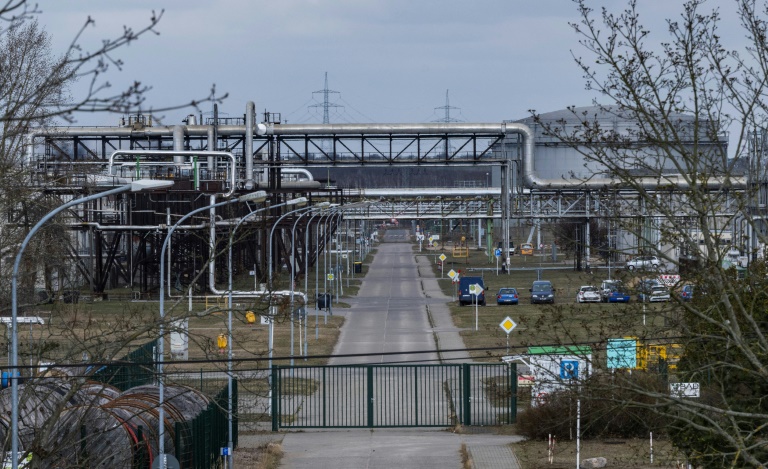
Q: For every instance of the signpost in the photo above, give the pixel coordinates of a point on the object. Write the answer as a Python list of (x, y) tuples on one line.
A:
[(497, 253), (442, 264), (455, 278), (508, 325), (475, 290)]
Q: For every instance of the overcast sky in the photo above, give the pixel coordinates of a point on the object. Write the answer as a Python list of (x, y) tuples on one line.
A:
[(390, 60)]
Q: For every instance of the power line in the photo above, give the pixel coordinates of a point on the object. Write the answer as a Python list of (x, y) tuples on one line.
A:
[(326, 105), (447, 111), (595, 345)]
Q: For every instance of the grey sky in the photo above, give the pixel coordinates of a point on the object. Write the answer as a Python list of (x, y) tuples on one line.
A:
[(391, 60)]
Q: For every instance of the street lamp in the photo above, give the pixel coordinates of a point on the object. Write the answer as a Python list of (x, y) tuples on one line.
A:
[(306, 267), (261, 197), (230, 460), (135, 186), (298, 202), (253, 196), (321, 206)]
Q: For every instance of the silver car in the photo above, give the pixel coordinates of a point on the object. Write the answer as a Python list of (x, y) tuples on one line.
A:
[(644, 262), (655, 293), (588, 294)]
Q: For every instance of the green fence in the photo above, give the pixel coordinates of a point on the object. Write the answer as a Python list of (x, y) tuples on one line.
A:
[(197, 442), (135, 369), (393, 395)]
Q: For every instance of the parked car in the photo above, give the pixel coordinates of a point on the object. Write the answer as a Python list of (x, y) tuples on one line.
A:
[(507, 296), (542, 292), (652, 291), (588, 294), (644, 262), (467, 298), (607, 286), (617, 295), (526, 249), (686, 294)]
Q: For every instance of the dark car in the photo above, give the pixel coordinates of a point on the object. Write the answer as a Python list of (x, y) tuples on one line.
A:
[(542, 292), (466, 297), (617, 295), (507, 296)]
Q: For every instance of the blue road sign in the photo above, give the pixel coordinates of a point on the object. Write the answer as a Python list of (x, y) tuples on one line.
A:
[(622, 353), (569, 369)]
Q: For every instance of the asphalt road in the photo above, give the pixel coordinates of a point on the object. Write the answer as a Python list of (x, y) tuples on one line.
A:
[(389, 314)]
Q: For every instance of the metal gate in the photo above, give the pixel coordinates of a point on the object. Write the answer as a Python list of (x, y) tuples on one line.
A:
[(393, 395)]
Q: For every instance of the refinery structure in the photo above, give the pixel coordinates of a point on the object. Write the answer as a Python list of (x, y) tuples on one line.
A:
[(116, 240)]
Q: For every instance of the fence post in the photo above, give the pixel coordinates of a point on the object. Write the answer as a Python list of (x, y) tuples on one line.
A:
[(141, 459), (466, 394), (512, 380), (275, 399), (369, 393), (83, 449), (236, 412)]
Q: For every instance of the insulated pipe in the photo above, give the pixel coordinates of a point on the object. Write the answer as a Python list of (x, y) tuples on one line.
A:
[(532, 180), (211, 244), (387, 129), (250, 111), (233, 177), (303, 171), (178, 143), (529, 176), (211, 147)]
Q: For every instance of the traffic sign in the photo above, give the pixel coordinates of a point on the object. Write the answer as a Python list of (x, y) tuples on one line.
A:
[(569, 369), (508, 324), (431, 238), (497, 252), (442, 257), (475, 289), (329, 276), (684, 390), (622, 353), (452, 274)]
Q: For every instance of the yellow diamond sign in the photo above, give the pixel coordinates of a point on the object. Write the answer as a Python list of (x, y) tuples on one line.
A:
[(508, 324), (442, 257), (452, 273)]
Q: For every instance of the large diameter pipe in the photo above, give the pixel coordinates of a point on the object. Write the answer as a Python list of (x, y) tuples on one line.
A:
[(529, 176), (178, 142), (532, 180), (250, 111)]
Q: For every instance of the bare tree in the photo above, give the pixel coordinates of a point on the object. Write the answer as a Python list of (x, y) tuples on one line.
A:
[(681, 95), (35, 90)]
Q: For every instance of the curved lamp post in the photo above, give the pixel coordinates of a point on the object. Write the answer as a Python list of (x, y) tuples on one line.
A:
[(306, 269), (300, 202), (320, 206), (258, 196), (135, 186), (230, 460)]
